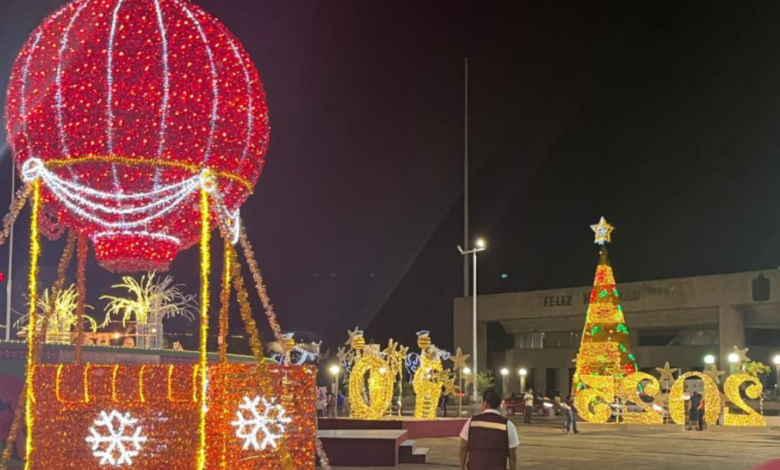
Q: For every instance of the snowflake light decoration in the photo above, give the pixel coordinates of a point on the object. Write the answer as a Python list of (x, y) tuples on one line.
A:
[(264, 426), (117, 447)]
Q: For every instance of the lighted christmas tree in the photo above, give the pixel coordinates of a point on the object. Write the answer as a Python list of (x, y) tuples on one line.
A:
[(604, 349)]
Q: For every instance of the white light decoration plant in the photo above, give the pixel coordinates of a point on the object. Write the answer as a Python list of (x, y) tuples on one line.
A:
[(151, 300), (64, 318)]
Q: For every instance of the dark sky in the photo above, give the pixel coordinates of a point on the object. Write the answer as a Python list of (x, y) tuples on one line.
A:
[(663, 117)]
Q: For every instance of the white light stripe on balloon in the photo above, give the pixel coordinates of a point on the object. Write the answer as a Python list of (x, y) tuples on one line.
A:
[(110, 92), (213, 68), (250, 118), (77, 198), (166, 89), (60, 190), (142, 233), (25, 74), (58, 81)]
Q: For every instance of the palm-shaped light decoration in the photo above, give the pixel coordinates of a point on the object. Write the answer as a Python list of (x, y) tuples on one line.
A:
[(151, 299), (64, 317)]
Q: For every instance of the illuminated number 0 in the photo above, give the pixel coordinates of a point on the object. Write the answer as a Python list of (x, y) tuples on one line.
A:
[(712, 404)]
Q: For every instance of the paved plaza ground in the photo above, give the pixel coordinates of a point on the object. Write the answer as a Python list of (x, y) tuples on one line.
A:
[(545, 446)]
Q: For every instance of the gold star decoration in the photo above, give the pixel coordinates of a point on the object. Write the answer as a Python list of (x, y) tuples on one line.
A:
[(352, 334), (667, 373), (468, 380), (742, 353), (341, 354), (390, 350), (713, 373), (449, 387), (459, 359), (403, 351), (603, 232)]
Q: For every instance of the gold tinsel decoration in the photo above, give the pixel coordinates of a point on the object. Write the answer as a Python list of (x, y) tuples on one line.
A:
[(81, 286), (224, 300), (249, 254), (243, 303)]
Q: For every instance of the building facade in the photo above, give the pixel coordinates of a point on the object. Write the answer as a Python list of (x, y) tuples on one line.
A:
[(676, 320)]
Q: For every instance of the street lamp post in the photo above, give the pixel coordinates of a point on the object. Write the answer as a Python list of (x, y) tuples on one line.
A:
[(709, 359), (776, 360), (733, 360), (504, 379), (523, 373), (479, 246), (334, 371)]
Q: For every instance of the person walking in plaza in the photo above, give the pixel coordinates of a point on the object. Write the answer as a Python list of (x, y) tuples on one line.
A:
[(488, 440), (528, 400), (693, 412), (571, 417)]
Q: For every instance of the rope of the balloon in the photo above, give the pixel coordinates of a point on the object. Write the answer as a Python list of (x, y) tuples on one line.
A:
[(224, 304), (13, 211), (249, 254), (205, 268), (81, 286), (243, 302)]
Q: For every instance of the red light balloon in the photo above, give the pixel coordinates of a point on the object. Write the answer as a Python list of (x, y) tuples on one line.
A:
[(119, 106)]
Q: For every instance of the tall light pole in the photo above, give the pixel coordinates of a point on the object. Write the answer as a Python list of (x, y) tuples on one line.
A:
[(504, 380), (10, 284), (479, 245), (776, 360), (523, 374), (334, 371), (733, 360)]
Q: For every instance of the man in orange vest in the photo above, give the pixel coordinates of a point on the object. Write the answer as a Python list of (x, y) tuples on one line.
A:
[(489, 441)]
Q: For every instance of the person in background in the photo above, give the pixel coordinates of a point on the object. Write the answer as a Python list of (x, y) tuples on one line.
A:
[(571, 417), (701, 415), (488, 440), (339, 403), (528, 400), (693, 411)]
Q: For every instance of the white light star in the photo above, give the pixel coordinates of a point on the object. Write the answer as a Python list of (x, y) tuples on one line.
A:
[(267, 423), (603, 232), (116, 447)]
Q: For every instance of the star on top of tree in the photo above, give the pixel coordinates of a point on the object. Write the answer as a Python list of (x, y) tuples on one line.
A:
[(667, 373), (603, 232), (713, 373), (459, 359), (352, 334)]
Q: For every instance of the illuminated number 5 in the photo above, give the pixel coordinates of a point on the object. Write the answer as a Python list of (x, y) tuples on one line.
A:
[(731, 387), (599, 395)]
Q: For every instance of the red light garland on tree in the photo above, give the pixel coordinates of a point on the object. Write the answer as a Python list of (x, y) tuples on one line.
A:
[(119, 106)]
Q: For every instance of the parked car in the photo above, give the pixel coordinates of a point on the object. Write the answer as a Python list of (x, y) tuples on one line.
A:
[(515, 404)]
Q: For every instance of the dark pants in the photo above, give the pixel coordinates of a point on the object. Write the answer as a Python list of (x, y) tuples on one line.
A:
[(571, 421), (527, 416)]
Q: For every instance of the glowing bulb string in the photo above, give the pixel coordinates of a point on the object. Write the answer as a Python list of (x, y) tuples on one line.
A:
[(35, 252), (81, 286)]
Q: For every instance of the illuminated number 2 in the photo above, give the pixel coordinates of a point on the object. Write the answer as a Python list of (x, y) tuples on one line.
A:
[(600, 387), (731, 387), (630, 394)]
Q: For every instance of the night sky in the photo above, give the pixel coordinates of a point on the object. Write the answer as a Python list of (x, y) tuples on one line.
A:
[(663, 117)]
